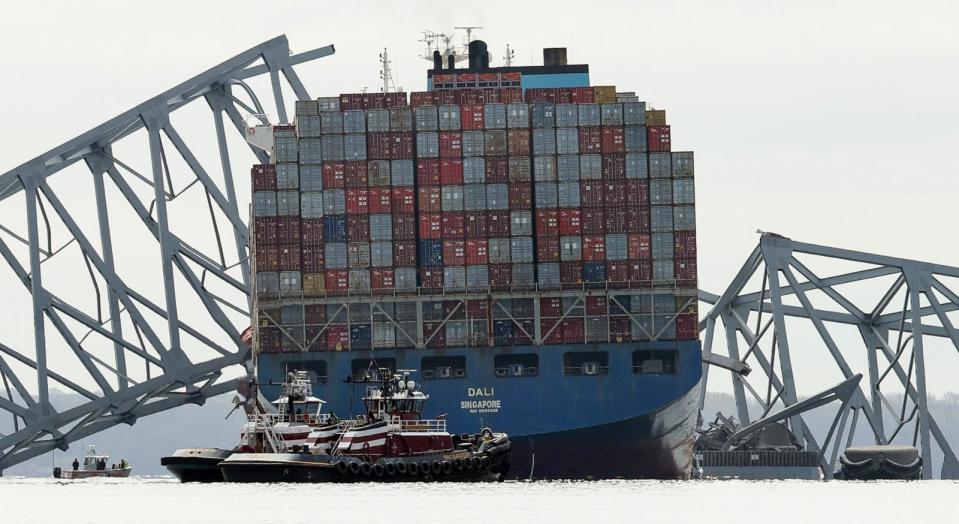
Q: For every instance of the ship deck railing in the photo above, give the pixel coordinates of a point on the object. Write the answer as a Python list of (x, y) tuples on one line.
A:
[(424, 426)]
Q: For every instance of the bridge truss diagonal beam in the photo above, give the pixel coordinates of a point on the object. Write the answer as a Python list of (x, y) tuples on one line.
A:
[(128, 343), (894, 343)]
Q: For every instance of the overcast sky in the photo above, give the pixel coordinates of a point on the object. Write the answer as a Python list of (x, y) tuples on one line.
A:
[(829, 122)]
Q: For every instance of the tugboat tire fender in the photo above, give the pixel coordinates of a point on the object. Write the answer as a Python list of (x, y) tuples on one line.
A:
[(342, 466), (412, 468), (436, 467), (378, 470), (366, 468), (484, 462), (458, 464), (390, 468), (447, 467), (355, 467)]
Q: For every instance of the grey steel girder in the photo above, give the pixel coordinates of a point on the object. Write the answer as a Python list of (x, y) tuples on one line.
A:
[(759, 320), (160, 357)]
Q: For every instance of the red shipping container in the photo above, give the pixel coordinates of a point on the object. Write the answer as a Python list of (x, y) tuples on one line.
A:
[(446, 96), (454, 252), (590, 140), (500, 276), (616, 221), (404, 254), (581, 95), (687, 326), (617, 273), (499, 223), (472, 116), (477, 251), (551, 330), (313, 259), (612, 140), (596, 306), (264, 230), (591, 193), (453, 225), (288, 230), (381, 199), (337, 338), (289, 257), (551, 307), (638, 246), (547, 249), (451, 144), (620, 329), (454, 309), (573, 332), (358, 228), (614, 191), (637, 219), (520, 196), (357, 201), (658, 138), (431, 226), (594, 248), (422, 98), (637, 192), (475, 224), (378, 146), (428, 172), (640, 271), (434, 333), (594, 221), (334, 175), (562, 95), (404, 226), (614, 166), (684, 244), (403, 201), (401, 145), (350, 101), (431, 278), (685, 269), (490, 95), (477, 309), (264, 177), (311, 231), (468, 96), (497, 170), (374, 100), (451, 172), (539, 94), (517, 142), (267, 257), (511, 95), (381, 279), (547, 222), (315, 314), (571, 272), (570, 222), (430, 199), (395, 99)]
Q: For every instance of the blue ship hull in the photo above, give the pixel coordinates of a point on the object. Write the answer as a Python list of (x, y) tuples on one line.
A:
[(615, 425)]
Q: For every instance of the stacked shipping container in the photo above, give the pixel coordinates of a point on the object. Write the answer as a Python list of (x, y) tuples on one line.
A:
[(472, 191)]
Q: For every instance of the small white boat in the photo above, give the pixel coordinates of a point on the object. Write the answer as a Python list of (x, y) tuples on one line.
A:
[(94, 465)]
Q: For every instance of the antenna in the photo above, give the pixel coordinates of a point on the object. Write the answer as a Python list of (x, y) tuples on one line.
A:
[(510, 55), (386, 75), (469, 31)]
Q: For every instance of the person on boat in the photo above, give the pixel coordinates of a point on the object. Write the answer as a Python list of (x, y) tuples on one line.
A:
[(76, 464)]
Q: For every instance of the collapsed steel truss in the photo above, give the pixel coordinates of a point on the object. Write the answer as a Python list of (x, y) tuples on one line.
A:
[(894, 339), (135, 330)]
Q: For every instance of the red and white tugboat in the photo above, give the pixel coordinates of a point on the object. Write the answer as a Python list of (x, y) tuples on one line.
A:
[(286, 424), (391, 443)]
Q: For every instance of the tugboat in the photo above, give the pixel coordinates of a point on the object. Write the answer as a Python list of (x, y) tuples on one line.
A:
[(94, 465), (286, 423), (390, 443)]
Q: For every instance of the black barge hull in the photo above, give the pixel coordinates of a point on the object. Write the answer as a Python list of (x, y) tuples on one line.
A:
[(196, 464)]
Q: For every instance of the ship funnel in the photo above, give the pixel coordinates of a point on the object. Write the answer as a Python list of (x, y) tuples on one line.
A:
[(437, 60), (479, 55), (451, 61), (554, 56)]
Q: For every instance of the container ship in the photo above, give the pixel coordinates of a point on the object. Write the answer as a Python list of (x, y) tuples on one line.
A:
[(523, 239)]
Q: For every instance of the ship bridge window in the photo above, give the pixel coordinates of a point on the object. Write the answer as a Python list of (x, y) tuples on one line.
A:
[(586, 363), (654, 362), (516, 365), (315, 368), (367, 369), (434, 368)]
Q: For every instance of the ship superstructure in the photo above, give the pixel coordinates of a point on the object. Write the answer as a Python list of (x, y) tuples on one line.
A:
[(523, 238)]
